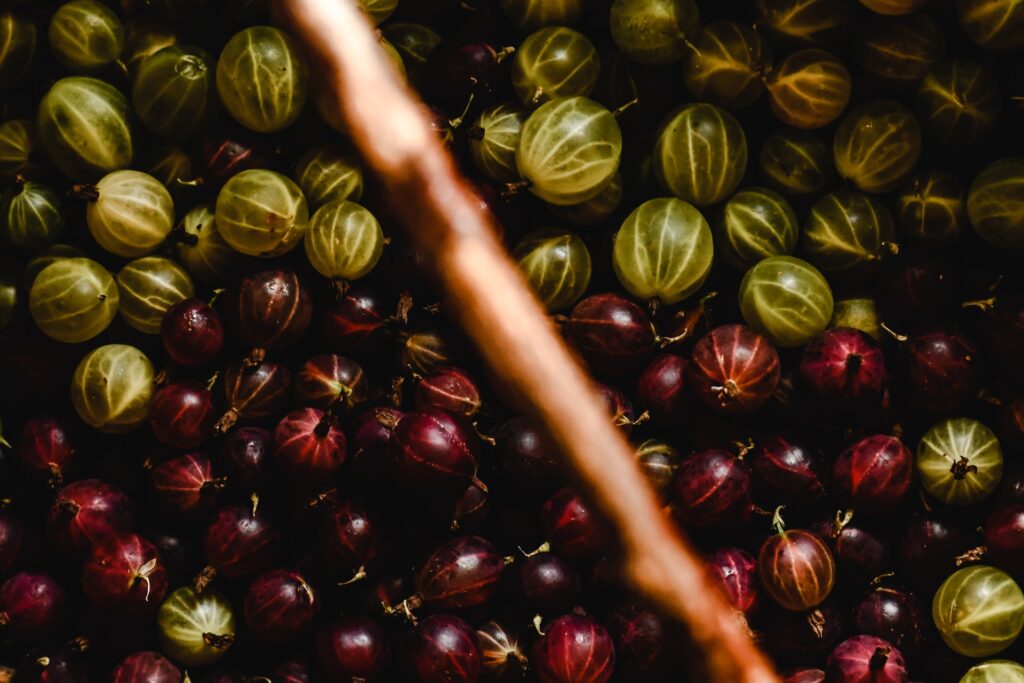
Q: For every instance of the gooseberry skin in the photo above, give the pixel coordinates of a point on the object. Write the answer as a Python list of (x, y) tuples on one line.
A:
[(195, 629), (734, 370), (32, 606), (548, 584), (803, 675), (279, 606), (132, 213), (330, 382), (874, 475), (12, 533), (610, 330), (202, 249), (928, 547), (931, 209), (809, 88), (847, 234), (112, 387), (796, 568), (735, 572), (711, 489), (700, 154), (31, 215), (726, 63), (327, 174), (844, 365), (653, 32), (444, 650), (860, 554), (959, 103), (898, 51), (351, 648), (185, 486), (449, 389), (915, 292), (942, 372), (994, 26), (239, 543), (192, 333), (433, 453), (145, 667), (995, 201), (1004, 539), (174, 93), (791, 471), (18, 31), (959, 461), (350, 322), (103, 27), (639, 638), (796, 163), (247, 58), (87, 511), (895, 615), (555, 61), (254, 393), (73, 300), (261, 213), (462, 573), (348, 538), (756, 223), (866, 659), (526, 456), (574, 648), (344, 241), (573, 528), (273, 309), (589, 142), (877, 145), (47, 449), (979, 611), (661, 388), (663, 251), (308, 445), (787, 300), (150, 286), (182, 414), (556, 264), (125, 574), (368, 436), (995, 671)]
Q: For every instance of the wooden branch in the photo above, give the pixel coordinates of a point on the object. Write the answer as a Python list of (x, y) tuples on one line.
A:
[(492, 302)]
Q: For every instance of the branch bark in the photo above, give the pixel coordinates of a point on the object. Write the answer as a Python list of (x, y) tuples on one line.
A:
[(516, 338)]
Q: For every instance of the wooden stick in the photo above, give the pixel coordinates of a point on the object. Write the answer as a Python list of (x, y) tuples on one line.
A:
[(492, 302)]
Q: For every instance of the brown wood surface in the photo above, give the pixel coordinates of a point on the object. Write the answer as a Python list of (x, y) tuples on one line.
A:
[(490, 299)]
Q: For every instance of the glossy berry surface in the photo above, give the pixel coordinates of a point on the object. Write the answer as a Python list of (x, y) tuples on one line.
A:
[(734, 370), (434, 453), (1004, 539), (145, 667), (661, 388), (711, 488), (449, 389), (32, 606), (874, 474), (942, 371), (548, 584), (47, 449), (572, 526), (796, 569), (609, 329), (240, 542), (348, 538), (351, 648), (85, 512), (192, 333), (279, 606), (182, 414), (464, 572), (126, 574), (308, 444), (866, 658), (791, 471), (574, 648), (444, 649), (844, 365), (734, 571)]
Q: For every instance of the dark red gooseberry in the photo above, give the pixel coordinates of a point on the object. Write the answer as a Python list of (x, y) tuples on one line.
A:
[(330, 381), (804, 675), (87, 511), (12, 533), (444, 649), (348, 539), (185, 486), (176, 554), (181, 414), (638, 635), (711, 489), (308, 445), (526, 456), (796, 569), (619, 407), (145, 667), (449, 389), (789, 470), (914, 292), (470, 508), (226, 153), (192, 332), (735, 572), (353, 319), (272, 309), (434, 453), (874, 475), (860, 554), (500, 653), (279, 606), (459, 68), (548, 584), (1004, 539), (928, 550), (464, 572), (660, 389), (844, 365), (291, 672), (734, 370), (125, 574), (610, 331), (572, 526), (894, 615), (1011, 487), (46, 448), (244, 458), (942, 372), (805, 635), (351, 649), (1004, 334), (866, 659), (31, 606), (254, 393), (51, 664), (240, 542), (574, 648), (368, 437)]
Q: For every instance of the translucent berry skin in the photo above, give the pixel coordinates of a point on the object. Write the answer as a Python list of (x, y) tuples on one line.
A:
[(351, 649), (87, 511), (464, 572), (308, 445), (239, 543), (192, 333), (228, 153), (349, 323), (548, 584), (348, 538), (711, 489), (735, 572), (434, 453), (844, 365), (368, 437), (279, 606), (185, 486), (572, 526), (796, 569), (804, 675), (574, 648), (526, 457), (444, 649), (182, 414), (330, 381), (874, 474), (32, 606), (449, 389), (244, 458), (859, 552), (125, 574), (272, 309), (639, 636), (734, 370), (255, 393), (866, 659), (145, 667), (46, 448), (896, 616), (928, 548), (1004, 539), (610, 330), (789, 470), (942, 372), (661, 388)]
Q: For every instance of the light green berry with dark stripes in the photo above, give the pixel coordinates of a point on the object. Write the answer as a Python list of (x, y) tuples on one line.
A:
[(73, 299), (756, 223), (202, 249), (569, 149), (344, 241), (261, 213), (554, 62), (493, 139), (595, 209), (847, 233), (556, 263), (84, 126), (327, 174), (263, 79), (995, 203), (131, 215), (959, 461), (786, 299), (85, 36), (32, 215), (174, 92), (112, 388), (700, 154), (663, 251), (149, 286)]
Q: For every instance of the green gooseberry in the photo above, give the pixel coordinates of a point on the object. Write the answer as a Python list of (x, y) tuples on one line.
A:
[(18, 37), (261, 213), (31, 215), (979, 611), (959, 461), (930, 209), (112, 387), (19, 151), (877, 145), (202, 249), (653, 32), (796, 162), (493, 140), (786, 299), (327, 174), (73, 299), (149, 286), (727, 64), (556, 263), (44, 257), (995, 203), (554, 62), (174, 92), (344, 241), (858, 312), (595, 209), (756, 223), (85, 36), (959, 103), (847, 233), (129, 213)]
